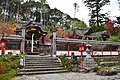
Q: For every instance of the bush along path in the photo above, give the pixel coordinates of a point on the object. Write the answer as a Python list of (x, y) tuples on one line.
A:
[(9, 65)]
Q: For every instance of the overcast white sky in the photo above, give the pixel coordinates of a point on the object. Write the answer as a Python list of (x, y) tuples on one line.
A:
[(66, 6)]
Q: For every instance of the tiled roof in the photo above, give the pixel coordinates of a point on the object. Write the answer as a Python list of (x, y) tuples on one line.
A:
[(83, 31)]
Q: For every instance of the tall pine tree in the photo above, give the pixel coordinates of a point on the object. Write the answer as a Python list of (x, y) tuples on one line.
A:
[(94, 6)]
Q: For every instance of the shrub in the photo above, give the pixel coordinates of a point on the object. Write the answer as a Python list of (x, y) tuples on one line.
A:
[(107, 59), (9, 64), (114, 39), (65, 62), (97, 60)]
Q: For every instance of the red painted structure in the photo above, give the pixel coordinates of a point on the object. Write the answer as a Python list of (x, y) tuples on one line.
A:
[(0, 71), (81, 49), (10, 44), (105, 50), (3, 45)]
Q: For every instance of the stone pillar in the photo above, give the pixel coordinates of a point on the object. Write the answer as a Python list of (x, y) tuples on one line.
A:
[(23, 40), (54, 42)]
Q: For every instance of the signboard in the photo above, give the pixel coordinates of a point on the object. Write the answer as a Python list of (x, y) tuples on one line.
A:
[(81, 48)]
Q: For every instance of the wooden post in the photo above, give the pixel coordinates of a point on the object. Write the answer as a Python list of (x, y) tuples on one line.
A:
[(102, 52), (81, 61), (3, 51), (81, 49), (68, 48), (111, 51)]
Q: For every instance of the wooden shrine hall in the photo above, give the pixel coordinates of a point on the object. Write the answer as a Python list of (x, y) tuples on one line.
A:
[(34, 38)]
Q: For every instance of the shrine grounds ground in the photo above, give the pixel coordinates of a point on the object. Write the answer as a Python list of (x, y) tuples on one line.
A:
[(68, 76)]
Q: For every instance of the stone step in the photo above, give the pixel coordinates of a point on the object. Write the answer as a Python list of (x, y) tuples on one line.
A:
[(41, 69), (35, 64), (50, 64), (32, 53), (42, 72), (39, 57), (43, 53), (44, 66), (40, 62)]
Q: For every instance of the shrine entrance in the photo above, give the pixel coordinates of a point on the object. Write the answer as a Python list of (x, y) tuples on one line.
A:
[(34, 40)]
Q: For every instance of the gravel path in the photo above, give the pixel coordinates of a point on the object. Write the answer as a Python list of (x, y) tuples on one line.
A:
[(68, 76)]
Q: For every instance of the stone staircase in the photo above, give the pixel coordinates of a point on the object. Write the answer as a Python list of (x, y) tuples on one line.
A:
[(35, 64), (32, 53)]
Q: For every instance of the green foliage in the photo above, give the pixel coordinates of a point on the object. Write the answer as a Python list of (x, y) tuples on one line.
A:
[(101, 27), (97, 60), (97, 19), (8, 75), (65, 62), (83, 37), (78, 23), (106, 68), (9, 64), (98, 37), (107, 59), (39, 9), (48, 30), (114, 39)]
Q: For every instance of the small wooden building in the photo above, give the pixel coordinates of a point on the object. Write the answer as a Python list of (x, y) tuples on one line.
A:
[(34, 34)]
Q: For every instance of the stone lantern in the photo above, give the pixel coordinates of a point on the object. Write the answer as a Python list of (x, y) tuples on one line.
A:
[(89, 62)]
